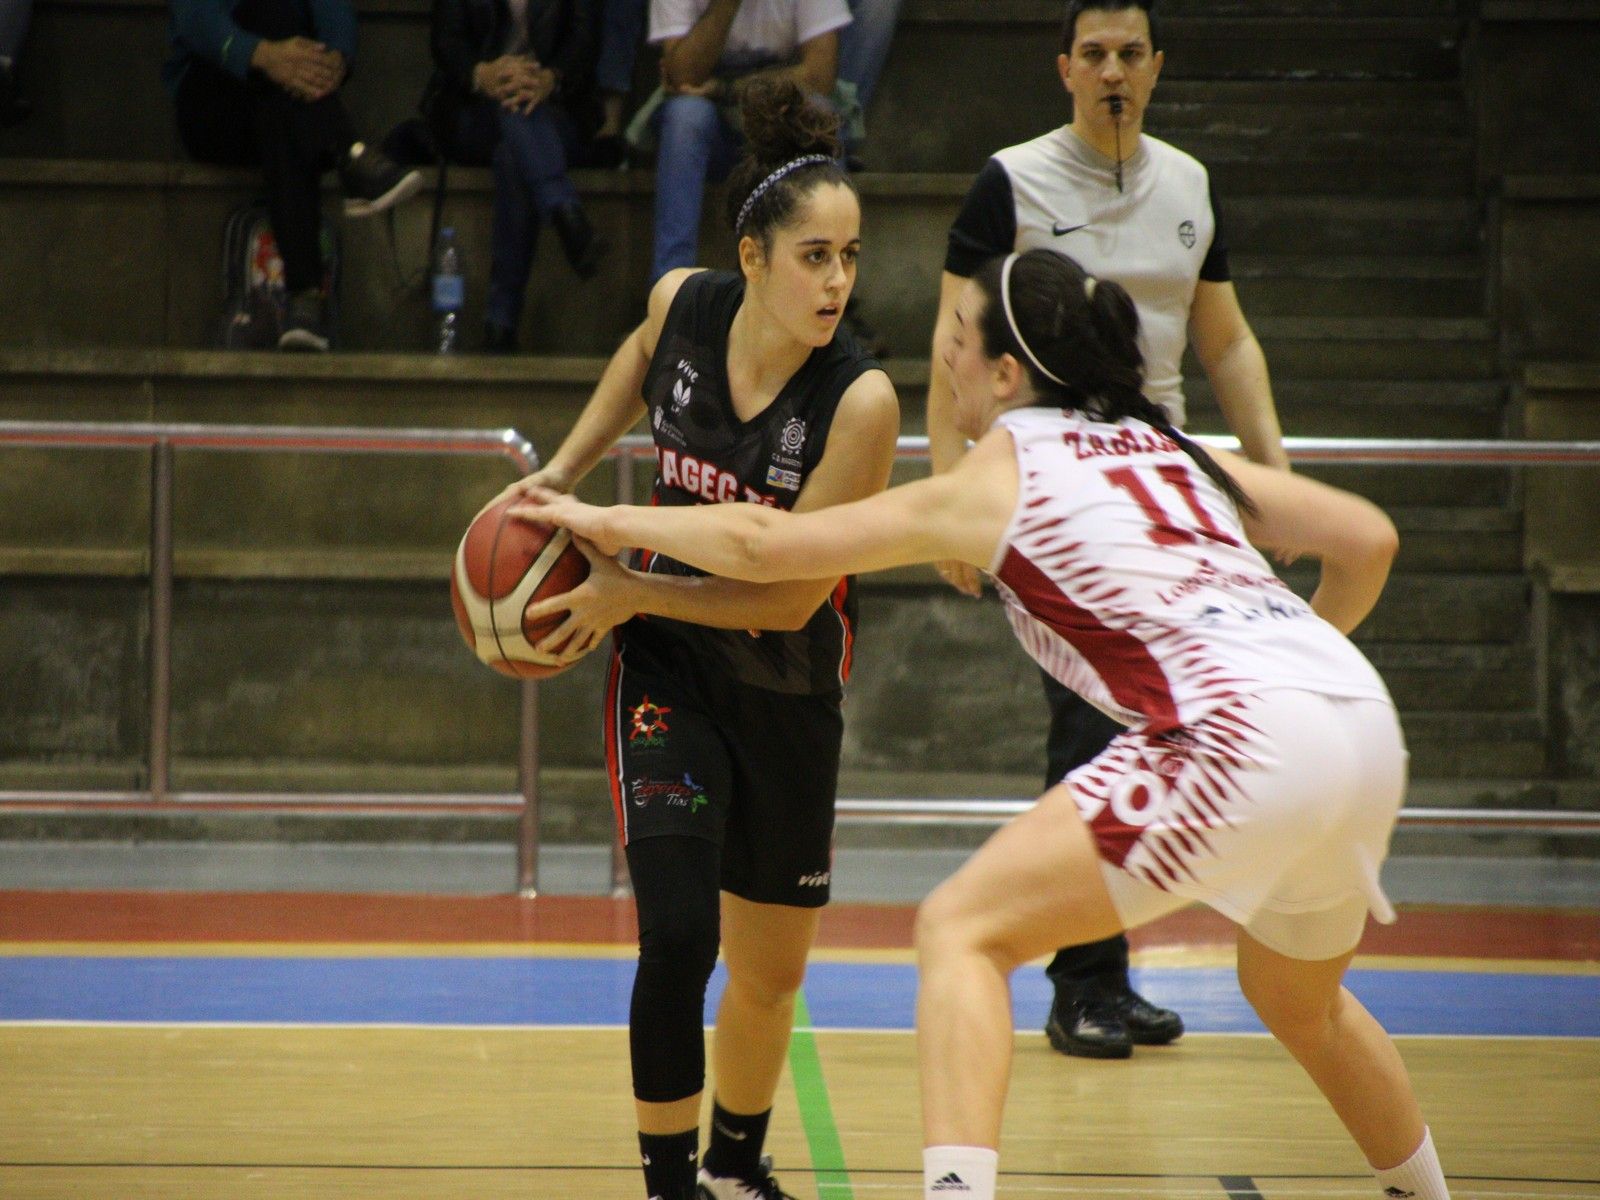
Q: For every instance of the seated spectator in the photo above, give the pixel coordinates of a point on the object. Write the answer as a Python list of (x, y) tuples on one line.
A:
[(515, 88), (621, 32), (709, 49), (13, 27), (864, 46), (256, 82)]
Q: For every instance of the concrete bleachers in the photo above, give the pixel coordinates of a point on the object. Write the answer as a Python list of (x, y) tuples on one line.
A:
[(313, 644)]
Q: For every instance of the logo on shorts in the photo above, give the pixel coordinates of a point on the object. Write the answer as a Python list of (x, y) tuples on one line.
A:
[(819, 879), (672, 793), (649, 726), (1186, 235)]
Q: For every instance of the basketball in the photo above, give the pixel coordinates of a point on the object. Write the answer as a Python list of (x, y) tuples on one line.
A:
[(502, 566)]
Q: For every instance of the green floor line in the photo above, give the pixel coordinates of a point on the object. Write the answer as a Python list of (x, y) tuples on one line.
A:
[(816, 1113)]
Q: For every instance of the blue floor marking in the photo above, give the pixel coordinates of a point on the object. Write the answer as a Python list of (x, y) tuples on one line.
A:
[(595, 991)]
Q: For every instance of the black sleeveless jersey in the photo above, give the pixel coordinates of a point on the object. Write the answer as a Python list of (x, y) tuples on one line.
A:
[(706, 455)]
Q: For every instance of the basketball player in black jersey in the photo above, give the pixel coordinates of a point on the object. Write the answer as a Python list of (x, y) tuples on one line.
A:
[(723, 720)]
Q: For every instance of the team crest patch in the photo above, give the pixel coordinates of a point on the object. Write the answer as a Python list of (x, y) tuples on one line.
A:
[(793, 437), (649, 726), (1186, 235)]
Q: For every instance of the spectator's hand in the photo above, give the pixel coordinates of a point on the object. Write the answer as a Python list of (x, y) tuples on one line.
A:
[(711, 88), (307, 70), (498, 77), (534, 85), (962, 576)]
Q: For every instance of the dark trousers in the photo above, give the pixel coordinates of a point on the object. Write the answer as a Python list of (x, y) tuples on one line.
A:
[(1078, 732), (529, 153), (254, 122)]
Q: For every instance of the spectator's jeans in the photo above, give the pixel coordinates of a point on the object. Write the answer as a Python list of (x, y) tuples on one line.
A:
[(864, 44), (621, 32), (14, 26), (696, 145), (530, 180), (222, 120)]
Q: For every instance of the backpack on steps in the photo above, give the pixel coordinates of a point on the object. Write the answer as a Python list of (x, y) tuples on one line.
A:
[(255, 298)]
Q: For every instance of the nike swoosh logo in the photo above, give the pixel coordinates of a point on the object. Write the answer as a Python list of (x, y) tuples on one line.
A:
[(726, 1132), (1061, 230)]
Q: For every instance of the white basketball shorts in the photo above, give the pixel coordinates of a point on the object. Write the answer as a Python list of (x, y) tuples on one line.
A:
[(1275, 810)]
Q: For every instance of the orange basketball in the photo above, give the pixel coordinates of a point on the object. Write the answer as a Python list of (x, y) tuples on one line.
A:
[(502, 566)]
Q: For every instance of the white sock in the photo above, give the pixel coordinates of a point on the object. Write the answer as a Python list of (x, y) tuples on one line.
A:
[(959, 1172), (1419, 1176)]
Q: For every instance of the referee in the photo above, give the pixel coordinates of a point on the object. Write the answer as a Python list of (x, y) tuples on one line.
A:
[(1132, 208)]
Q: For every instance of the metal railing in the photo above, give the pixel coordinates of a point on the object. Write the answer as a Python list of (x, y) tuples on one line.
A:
[(163, 439)]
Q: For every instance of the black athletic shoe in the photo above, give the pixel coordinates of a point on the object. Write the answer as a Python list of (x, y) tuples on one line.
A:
[(14, 107), (726, 1187), (373, 181), (1086, 1022), (1148, 1024), (306, 325), (583, 247), (498, 339)]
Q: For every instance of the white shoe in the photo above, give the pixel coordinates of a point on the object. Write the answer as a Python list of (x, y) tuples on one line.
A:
[(727, 1187)]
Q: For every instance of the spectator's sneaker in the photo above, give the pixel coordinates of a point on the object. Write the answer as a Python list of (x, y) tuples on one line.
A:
[(13, 107), (373, 181), (1085, 1022), (499, 339), (305, 327), (726, 1187), (1148, 1024), (583, 247)]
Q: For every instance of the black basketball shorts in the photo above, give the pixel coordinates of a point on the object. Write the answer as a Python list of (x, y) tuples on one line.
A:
[(752, 770)]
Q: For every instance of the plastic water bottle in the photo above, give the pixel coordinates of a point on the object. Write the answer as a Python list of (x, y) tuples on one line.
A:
[(449, 293)]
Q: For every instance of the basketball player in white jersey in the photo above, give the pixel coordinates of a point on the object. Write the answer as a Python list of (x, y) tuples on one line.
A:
[(1262, 765), (1132, 208)]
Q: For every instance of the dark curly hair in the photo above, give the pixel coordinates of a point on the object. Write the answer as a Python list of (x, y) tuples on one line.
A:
[(781, 124), (1088, 337)]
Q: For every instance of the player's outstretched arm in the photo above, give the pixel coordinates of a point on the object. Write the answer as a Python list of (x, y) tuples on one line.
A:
[(1353, 537), (961, 514)]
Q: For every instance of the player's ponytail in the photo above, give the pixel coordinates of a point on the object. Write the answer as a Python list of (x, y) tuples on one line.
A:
[(792, 146), (1077, 336)]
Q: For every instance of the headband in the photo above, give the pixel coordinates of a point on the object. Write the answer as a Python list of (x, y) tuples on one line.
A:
[(1011, 320), (761, 188)]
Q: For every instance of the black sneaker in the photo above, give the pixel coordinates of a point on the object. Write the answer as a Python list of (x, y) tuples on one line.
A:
[(373, 181), (1148, 1024), (14, 108), (726, 1187), (306, 326), (499, 339), (583, 247), (1086, 1022)]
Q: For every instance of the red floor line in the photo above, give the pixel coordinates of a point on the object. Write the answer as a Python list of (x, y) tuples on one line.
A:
[(301, 917)]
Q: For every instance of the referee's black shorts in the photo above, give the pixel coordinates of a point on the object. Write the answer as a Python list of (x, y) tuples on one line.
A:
[(752, 770)]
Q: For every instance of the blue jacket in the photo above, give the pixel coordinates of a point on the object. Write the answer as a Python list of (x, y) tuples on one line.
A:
[(205, 30)]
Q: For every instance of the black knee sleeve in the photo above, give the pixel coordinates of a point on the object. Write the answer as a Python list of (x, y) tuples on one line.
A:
[(675, 882)]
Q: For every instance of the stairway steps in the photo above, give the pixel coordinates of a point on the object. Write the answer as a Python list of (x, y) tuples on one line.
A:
[(1434, 285)]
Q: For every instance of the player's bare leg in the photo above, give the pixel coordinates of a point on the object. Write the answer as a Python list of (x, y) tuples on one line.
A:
[(1034, 886), (765, 948), (1348, 1055)]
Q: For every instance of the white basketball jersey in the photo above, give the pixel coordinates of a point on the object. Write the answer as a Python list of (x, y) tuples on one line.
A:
[(1127, 575)]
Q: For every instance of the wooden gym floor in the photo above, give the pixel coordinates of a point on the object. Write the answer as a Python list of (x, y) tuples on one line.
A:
[(245, 1047)]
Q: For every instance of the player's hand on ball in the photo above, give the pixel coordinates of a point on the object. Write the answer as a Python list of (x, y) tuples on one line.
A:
[(542, 504), (596, 606)]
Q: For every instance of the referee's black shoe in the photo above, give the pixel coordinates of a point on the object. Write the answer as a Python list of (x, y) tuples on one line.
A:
[(1101, 1018)]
